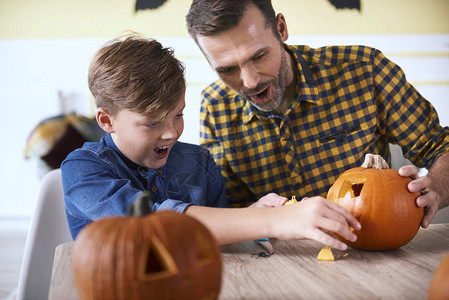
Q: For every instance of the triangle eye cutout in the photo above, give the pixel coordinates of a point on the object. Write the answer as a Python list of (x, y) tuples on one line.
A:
[(156, 262), (354, 187)]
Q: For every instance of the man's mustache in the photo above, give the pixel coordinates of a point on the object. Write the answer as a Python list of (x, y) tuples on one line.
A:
[(259, 88)]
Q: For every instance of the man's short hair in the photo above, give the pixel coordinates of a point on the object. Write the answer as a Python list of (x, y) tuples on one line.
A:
[(212, 17), (137, 74)]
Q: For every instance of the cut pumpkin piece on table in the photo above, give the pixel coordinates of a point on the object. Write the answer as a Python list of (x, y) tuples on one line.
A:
[(326, 254)]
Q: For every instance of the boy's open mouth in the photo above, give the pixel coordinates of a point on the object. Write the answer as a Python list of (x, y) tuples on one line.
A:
[(161, 151)]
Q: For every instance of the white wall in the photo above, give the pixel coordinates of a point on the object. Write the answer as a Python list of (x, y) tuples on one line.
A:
[(33, 72)]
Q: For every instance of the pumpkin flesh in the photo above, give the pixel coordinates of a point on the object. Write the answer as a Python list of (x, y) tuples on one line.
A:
[(326, 254)]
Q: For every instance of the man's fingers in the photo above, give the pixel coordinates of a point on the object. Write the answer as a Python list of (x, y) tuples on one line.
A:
[(419, 185), (270, 200), (409, 171), (429, 200)]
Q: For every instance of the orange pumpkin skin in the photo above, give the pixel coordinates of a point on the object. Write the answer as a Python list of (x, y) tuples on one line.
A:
[(165, 255), (439, 285), (385, 208)]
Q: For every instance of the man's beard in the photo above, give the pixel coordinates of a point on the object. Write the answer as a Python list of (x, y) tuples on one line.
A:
[(279, 88)]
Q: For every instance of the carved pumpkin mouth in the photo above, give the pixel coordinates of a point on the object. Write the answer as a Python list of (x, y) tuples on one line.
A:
[(351, 188), (350, 198)]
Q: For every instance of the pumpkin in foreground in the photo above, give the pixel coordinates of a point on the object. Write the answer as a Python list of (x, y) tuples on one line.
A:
[(165, 255), (439, 285), (380, 200)]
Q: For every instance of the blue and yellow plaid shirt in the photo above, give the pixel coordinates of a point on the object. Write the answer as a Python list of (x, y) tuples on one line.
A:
[(349, 101)]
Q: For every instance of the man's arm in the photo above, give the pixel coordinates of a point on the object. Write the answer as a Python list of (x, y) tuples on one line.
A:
[(434, 187), (416, 128), (439, 179)]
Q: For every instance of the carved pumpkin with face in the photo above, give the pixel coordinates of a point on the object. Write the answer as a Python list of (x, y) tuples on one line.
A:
[(380, 200), (165, 255)]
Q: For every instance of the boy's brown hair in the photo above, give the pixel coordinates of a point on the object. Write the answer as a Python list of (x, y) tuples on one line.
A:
[(137, 74)]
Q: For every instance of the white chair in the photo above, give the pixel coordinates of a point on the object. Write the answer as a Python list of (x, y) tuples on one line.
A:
[(49, 228)]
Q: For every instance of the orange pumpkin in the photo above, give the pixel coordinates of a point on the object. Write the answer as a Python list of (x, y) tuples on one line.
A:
[(380, 200), (165, 255), (439, 285)]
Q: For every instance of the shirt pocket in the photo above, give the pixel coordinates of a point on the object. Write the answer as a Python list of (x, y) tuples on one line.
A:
[(339, 135), (350, 141)]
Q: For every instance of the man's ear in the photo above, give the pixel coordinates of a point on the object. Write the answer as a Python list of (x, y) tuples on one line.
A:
[(282, 27), (105, 120)]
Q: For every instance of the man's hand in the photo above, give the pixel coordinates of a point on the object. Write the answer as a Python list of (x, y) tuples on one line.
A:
[(429, 199), (270, 200)]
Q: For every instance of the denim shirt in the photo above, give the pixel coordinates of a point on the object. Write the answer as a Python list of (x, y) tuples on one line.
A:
[(99, 181)]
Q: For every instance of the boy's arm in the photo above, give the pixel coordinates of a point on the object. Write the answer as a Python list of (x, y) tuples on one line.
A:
[(304, 220)]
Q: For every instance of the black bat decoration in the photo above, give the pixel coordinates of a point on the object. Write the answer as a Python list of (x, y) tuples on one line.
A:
[(148, 4), (339, 4)]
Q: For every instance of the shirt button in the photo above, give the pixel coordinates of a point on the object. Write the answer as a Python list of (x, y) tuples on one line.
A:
[(341, 137), (154, 189), (160, 172)]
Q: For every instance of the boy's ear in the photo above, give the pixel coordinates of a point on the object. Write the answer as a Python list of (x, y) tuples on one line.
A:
[(104, 119)]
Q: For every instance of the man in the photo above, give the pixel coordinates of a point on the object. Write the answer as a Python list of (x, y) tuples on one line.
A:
[(290, 119)]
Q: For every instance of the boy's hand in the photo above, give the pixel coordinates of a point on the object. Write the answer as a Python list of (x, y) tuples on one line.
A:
[(310, 217), (270, 200)]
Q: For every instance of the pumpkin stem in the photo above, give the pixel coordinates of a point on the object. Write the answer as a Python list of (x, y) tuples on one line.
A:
[(374, 161), (142, 205)]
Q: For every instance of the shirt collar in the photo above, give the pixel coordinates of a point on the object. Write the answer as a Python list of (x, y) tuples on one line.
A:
[(306, 85), (306, 89), (110, 143), (250, 111), (132, 165)]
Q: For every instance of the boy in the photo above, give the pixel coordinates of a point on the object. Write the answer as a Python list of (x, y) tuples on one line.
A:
[(139, 89)]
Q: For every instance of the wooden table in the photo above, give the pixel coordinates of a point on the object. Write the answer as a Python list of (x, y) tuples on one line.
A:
[(293, 272)]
